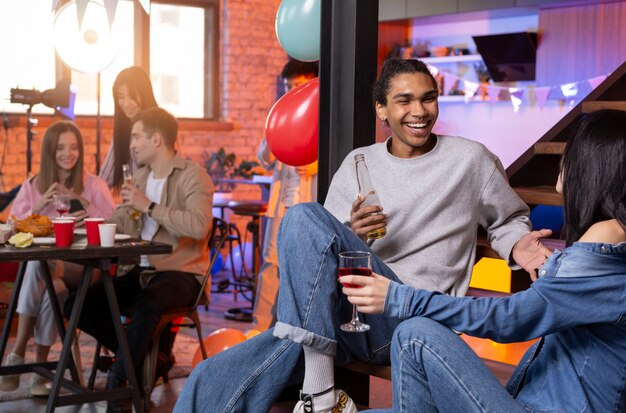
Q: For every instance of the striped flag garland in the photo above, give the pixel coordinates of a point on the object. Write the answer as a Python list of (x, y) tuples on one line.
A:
[(521, 95)]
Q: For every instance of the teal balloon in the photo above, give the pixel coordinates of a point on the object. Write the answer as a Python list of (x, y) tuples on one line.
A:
[(298, 28)]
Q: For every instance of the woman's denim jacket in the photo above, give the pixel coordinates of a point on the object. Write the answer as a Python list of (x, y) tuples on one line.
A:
[(577, 306)]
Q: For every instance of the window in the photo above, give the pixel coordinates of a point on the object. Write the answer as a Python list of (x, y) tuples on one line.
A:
[(177, 44), (184, 77), (27, 50)]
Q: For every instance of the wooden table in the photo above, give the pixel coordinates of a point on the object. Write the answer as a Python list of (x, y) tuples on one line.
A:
[(91, 257)]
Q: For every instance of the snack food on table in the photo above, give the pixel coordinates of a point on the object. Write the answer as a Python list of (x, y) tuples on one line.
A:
[(38, 225), (21, 239)]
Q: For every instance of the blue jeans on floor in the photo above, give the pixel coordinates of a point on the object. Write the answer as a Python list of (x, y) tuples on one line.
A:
[(433, 370), (310, 308)]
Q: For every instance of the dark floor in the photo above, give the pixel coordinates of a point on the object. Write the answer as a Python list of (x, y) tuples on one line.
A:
[(164, 396)]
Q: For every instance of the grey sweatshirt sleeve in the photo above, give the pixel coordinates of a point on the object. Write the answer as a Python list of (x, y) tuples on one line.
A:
[(342, 192), (503, 214)]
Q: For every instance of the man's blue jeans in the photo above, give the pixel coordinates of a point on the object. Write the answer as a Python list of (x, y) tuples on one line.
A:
[(251, 375), (433, 370)]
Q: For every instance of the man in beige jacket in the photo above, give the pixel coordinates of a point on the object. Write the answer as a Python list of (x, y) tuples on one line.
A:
[(174, 196)]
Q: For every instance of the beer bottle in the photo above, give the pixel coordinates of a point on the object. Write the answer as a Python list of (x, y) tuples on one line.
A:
[(367, 190)]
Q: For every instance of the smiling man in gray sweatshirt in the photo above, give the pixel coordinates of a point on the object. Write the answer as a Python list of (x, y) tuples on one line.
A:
[(436, 191)]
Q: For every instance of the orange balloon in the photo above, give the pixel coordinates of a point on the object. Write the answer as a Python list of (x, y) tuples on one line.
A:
[(251, 333), (218, 341)]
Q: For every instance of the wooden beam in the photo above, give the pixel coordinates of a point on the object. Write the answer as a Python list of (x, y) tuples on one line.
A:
[(589, 107), (549, 148), (539, 195), (142, 37)]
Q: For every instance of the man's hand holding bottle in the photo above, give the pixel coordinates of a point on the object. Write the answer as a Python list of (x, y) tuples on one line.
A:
[(367, 219)]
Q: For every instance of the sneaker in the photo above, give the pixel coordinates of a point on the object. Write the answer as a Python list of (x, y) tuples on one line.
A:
[(40, 386), (12, 382), (344, 404)]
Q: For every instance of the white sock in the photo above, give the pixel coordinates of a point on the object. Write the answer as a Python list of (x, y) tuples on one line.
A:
[(319, 375)]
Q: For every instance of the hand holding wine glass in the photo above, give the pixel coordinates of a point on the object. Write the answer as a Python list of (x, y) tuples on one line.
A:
[(355, 263), (370, 293), (61, 204), (46, 199)]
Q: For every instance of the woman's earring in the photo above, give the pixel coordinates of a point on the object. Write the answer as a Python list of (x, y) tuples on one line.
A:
[(384, 121)]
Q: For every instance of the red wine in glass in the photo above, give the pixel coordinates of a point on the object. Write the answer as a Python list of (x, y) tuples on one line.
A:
[(355, 263), (62, 211), (61, 204), (354, 271)]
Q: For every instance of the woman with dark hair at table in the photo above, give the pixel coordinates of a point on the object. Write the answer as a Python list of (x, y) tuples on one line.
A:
[(132, 92), (61, 172)]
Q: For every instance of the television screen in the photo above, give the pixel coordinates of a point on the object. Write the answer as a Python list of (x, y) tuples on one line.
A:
[(509, 57)]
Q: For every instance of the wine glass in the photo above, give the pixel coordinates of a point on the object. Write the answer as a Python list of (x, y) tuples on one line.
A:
[(128, 180), (355, 263), (61, 204)]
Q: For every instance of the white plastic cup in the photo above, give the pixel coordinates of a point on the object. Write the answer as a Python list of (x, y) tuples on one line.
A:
[(107, 234)]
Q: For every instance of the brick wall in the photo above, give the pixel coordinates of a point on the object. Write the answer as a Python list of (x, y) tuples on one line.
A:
[(251, 58)]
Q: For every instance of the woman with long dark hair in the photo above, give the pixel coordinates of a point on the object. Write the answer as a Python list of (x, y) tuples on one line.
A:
[(577, 307), (132, 93), (61, 172)]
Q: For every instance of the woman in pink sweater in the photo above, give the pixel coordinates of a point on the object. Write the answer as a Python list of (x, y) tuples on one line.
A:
[(61, 173)]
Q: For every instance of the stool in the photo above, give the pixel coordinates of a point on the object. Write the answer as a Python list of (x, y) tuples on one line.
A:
[(254, 209), (233, 236)]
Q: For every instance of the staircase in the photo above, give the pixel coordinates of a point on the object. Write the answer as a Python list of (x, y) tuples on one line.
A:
[(533, 175)]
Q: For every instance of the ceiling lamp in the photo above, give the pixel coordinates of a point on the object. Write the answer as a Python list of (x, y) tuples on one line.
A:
[(90, 47)]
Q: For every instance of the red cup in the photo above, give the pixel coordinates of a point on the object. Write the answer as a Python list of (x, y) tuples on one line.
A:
[(63, 232), (93, 234)]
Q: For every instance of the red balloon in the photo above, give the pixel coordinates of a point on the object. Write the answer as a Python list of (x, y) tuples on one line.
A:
[(218, 341), (292, 125)]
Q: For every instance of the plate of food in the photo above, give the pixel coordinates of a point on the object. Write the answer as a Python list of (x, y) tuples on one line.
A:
[(44, 240), (122, 237), (38, 225)]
